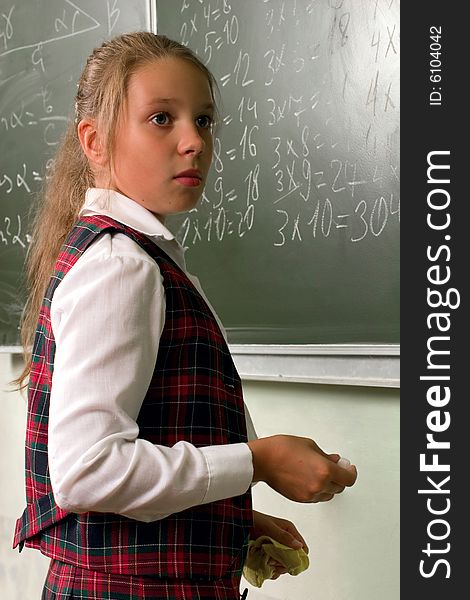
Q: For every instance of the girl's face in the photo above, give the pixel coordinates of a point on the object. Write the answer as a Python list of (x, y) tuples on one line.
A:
[(163, 146)]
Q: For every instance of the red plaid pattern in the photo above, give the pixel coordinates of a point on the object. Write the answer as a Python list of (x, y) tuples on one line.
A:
[(195, 395), (67, 582)]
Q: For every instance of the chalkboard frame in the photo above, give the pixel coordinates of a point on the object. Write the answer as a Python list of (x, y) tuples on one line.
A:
[(375, 365)]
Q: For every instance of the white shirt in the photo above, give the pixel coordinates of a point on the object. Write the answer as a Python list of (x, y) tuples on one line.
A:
[(107, 316)]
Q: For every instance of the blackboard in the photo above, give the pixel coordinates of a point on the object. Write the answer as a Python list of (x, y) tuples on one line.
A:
[(296, 239), (43, 46)]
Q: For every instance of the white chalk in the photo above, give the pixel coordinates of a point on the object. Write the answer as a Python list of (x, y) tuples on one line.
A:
[(343, 462)]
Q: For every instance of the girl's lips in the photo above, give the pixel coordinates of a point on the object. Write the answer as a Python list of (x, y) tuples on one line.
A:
[(188, 181), (190, 177)]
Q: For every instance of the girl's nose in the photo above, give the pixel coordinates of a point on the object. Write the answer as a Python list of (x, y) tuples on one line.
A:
[(191, 141)]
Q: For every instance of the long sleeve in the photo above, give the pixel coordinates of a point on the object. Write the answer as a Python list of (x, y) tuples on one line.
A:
[(107, 316)]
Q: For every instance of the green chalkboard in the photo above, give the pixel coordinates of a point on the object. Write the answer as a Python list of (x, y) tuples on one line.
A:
[(296, 239), (43, 46)]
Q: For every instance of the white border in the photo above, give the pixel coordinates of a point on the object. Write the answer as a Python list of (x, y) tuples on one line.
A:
[(11, 350), (152, 15), (335, 364)]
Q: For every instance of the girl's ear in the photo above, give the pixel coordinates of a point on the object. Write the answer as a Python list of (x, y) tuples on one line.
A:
[(91, 142)]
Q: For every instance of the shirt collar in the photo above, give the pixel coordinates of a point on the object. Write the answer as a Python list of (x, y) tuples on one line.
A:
[(113, 204)]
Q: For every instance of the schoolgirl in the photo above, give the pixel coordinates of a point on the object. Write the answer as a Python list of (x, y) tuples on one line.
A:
[(140, 453)]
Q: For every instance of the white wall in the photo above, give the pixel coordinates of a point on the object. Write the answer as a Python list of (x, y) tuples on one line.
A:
[(21, 575), (353, 540)]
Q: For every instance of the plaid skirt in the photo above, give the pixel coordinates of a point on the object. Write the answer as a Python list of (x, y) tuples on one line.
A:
[(68, 582)]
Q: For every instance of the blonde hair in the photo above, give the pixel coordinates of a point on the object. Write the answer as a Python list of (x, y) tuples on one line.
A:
[(101, 91)]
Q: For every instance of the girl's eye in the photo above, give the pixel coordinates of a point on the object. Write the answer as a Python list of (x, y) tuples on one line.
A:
[(204, 121), (161, 118)]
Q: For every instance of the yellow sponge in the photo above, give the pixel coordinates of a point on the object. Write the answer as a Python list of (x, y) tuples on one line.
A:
[(260, 551)]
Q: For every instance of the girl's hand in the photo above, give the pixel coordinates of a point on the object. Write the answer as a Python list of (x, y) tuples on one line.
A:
[(282, 531), (299, 469)]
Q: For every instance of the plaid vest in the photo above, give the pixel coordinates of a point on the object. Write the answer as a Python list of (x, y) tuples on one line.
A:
[(195, 384)]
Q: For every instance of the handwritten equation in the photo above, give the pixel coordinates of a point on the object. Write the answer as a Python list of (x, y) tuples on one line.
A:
[(309, 135), (36, 92)]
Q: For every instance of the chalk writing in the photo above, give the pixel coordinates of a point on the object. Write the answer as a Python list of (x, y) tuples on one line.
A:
[(43, 46), (113, 15), (70, 30), (11, 232), (6, 28), (300, 140)]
